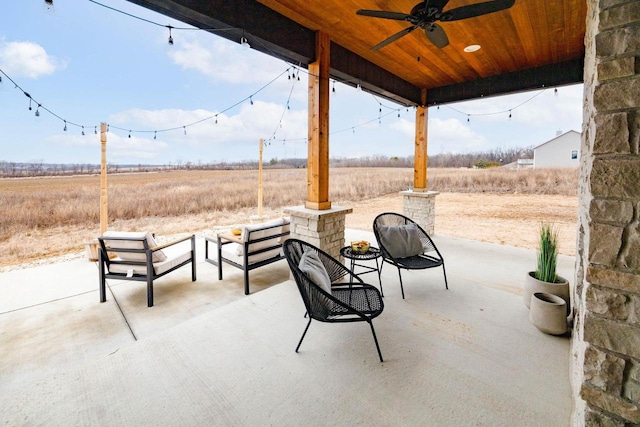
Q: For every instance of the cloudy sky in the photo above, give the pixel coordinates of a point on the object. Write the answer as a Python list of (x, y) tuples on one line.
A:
[(87, 64)]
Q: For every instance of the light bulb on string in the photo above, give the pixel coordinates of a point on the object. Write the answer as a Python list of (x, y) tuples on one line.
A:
[(65, 126), (29, 101), (555, 91), (185, 129), (509, 113), (82, 130), (244, 43), (468, 118), (95, 130), (107, 128), (170, 38), (38, 111), (251, 100), (129, 134), (155, 135), (333, 89), (216, 119)]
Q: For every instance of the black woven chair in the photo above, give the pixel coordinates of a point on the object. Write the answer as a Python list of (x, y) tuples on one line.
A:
[(429, 258), (347, 302)]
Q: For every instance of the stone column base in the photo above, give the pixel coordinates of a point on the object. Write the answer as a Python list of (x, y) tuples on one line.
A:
[(321, 228), (421, 207)]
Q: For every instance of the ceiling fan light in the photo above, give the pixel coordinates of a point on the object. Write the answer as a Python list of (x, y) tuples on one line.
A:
[(472, 48)]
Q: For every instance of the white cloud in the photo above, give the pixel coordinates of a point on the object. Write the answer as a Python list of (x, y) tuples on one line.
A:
[(223, 60), (119, 147), (451, 135), (27, 59), (249, 124)]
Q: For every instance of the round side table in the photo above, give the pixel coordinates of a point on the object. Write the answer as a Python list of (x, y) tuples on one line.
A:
[(372, 254)]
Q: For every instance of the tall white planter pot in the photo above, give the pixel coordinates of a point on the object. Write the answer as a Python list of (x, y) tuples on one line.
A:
[(548, 313), (533, 285)]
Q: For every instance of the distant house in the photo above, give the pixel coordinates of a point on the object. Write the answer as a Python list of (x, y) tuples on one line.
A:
[(563, 151)]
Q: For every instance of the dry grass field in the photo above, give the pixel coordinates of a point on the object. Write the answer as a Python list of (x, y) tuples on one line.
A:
[(47, 217)]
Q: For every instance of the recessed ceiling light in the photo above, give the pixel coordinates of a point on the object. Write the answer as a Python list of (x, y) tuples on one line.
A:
[(472, 48)]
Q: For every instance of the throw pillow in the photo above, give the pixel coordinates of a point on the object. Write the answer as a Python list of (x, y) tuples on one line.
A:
[(311, 265), (401, 241)]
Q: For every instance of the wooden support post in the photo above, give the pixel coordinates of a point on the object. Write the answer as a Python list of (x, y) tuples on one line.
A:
[(421, 159), (260, 179), (318, 156), (103, 179)]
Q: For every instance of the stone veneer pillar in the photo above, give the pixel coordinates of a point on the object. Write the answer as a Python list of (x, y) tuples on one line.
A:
[(420, 207), (322, 228), (605, 352)]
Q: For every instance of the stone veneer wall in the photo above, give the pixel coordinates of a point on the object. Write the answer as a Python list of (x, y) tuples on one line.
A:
[(323, 229), (420, 207), (606, 336)]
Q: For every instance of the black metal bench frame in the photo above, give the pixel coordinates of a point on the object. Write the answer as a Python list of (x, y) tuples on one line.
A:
[(104, 262), (221, 240)]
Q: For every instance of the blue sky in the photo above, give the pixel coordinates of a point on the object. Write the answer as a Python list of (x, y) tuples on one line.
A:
[(88, 64)]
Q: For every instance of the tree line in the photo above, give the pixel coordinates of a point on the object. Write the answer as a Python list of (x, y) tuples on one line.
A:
[(495, 157)]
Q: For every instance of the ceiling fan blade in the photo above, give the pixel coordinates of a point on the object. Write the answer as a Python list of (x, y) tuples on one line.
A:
[(477, 9), (394, 37), (383, 14), (437, 36), (438, 4)]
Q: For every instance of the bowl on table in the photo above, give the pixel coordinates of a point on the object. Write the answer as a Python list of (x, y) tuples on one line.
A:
[(360, 247)]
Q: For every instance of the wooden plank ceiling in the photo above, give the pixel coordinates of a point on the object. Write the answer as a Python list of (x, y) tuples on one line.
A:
[(533, 44)]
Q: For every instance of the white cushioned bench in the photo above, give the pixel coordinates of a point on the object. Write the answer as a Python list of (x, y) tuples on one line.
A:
[(140, 258), (257, 245)]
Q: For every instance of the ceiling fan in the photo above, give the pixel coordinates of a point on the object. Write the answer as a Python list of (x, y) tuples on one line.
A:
[(425, 14)]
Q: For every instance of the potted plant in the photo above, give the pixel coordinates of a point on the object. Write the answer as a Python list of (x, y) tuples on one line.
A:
[(544, 279)]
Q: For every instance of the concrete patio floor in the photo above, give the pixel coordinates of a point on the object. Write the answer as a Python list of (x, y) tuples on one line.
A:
[(206, 354)]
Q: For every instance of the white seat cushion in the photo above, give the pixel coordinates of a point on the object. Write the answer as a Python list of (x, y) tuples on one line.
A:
[(175, 255), (230, 252), (259, 231), (158, 256)]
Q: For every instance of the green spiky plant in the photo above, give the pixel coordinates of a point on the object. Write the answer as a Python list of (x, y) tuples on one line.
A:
[(547, 254)]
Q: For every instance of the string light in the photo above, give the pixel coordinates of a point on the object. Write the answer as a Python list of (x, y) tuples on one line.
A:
[(251, 100), (95, 130), (333, 89), (170, 38), (129, 134), (498, 112), (155, 135), (38, 111), (185, 129), (65, 126), (244, 43), (82, 130)]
